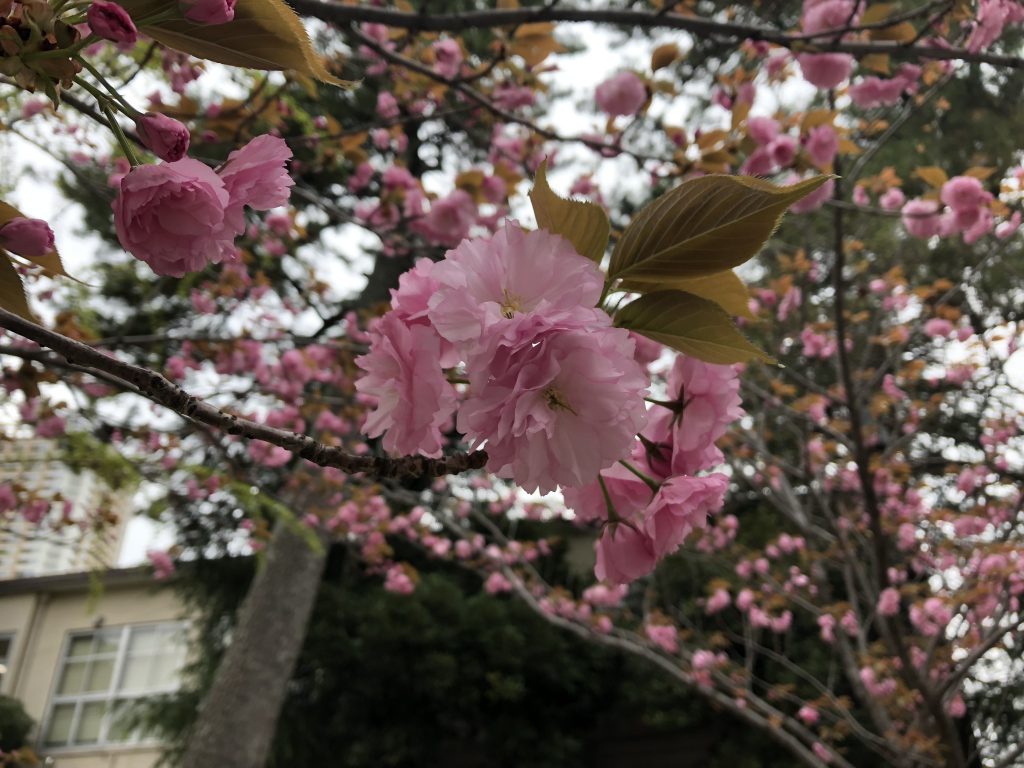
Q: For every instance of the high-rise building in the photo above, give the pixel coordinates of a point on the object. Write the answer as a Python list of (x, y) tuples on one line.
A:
[(68, 537)]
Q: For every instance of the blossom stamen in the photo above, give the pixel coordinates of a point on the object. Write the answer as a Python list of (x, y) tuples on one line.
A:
[(510, 304), (556, 401)]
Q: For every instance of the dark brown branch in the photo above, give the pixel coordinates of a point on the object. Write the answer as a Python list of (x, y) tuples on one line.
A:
[(337, 13), (155, 387)]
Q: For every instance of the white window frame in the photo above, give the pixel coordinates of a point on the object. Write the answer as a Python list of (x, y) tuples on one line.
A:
[(111, 696)]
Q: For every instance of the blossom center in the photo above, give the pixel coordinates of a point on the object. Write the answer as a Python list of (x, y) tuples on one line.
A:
[(556, 401), (510, 304)]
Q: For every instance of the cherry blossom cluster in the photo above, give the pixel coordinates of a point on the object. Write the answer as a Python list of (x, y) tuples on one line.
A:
[(651, 504), (178, 217), (553, 391), (964, 208)]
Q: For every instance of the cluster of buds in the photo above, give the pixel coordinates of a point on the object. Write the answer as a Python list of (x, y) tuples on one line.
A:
[(36, 47)]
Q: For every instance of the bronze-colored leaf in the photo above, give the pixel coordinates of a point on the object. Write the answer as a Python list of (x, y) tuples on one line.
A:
[(724, 288), (12, 290), (265, 34), (705, 225), (581, 222), (932, 175), (689, 324)]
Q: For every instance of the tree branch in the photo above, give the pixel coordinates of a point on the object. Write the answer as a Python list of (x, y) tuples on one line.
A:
[(155, 387), (335, 12)]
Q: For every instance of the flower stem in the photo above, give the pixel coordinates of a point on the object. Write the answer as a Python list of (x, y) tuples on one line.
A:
[(653, 484), (127, 108)]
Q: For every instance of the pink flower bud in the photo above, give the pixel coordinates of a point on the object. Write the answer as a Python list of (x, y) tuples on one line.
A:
[(208, 12), (111, 22), (621, 94), (27, 237), (164, 136)]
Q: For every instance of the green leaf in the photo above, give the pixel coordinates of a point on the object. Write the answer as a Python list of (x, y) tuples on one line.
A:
[(581, 222), (689, 324), (50, 262), (724, 288), (265, 34), (12, 291), (703, 226)]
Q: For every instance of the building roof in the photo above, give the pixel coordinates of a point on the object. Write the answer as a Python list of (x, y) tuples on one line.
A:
[(77, 581)]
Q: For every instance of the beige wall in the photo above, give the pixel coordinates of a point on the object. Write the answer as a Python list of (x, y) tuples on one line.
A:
[(42, 621)]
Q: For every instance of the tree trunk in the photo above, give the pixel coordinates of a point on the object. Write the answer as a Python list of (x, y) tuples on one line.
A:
[(236, 724)]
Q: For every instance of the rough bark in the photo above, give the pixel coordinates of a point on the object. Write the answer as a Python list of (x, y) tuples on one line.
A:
[(236, 724)]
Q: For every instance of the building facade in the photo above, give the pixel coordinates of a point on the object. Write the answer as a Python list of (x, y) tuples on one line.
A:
[(66, 539), (79, 649)]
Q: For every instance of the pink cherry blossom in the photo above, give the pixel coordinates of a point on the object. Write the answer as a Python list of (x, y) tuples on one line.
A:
[(822, 752), (762, 129), (822, 145), (664, 636), (209, 12), (938, 327), (496, 583), (623, 554), (449, 219), (387, 106), (782, 150), (27, 237), (163, 565), (398, 581), (718, 601), (992, 18), (559, 409), (815, 200), (680, 507), (164, 136), (171, 216), (964, 193), (759, 163), (255, 175), (825, 70), (889, 602), (621, 94), (495, 283), (628, 494), (892, 199), (921, 218), (414, 399), (447, 57), (684, 443), (871, 92), (830, 14), (111, 22), (807, 714)]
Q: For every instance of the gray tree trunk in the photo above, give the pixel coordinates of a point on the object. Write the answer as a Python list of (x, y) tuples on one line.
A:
[(236, 724)]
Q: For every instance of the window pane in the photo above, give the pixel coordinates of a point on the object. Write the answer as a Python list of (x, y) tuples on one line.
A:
[(80, 645), (89, 722), (136, 674), (121, 722), (100, 673), (144, 640), (165, 671), (5, 647), (107, 641), (60, 724), (73, 678)]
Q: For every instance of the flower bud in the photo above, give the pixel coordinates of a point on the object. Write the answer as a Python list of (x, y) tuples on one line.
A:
[(111, 22), (164, 136), (27, 237), (208, 12)]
